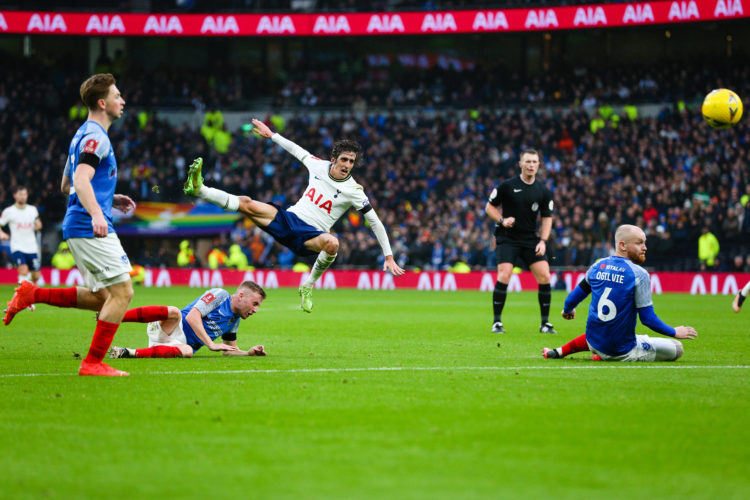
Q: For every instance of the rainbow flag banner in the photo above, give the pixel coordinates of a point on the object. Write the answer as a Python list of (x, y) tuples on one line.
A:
[(174, 219)]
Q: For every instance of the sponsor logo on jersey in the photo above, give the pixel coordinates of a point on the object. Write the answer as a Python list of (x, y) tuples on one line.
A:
[(208, 298), (90, 146), (318, 201), (517, 190)]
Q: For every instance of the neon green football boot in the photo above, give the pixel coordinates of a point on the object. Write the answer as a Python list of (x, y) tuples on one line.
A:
[(194, 178), (306, 294)]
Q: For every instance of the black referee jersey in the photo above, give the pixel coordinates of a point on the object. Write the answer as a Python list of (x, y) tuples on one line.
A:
[(524, 202)]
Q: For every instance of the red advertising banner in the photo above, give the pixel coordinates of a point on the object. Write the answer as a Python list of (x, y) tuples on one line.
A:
[(372, 23), (666, 282)]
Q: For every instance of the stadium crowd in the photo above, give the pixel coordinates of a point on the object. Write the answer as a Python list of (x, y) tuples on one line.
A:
[(428, 173)]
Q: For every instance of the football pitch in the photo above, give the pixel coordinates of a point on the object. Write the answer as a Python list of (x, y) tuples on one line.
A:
[(377, 394)]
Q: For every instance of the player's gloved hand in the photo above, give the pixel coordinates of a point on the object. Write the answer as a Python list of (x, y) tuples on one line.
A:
[(685, 332)]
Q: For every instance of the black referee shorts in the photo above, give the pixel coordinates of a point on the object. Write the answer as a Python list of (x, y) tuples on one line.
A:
[(517, 252)]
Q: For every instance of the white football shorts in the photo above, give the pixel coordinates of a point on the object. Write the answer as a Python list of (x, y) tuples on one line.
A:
[(157, 336), (101, 261), (647, 349)]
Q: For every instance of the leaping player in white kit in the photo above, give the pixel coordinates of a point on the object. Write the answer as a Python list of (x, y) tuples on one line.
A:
[(23, 221), (304, 227)]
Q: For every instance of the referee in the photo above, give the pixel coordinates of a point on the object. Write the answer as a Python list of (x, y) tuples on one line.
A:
[(514, 207)]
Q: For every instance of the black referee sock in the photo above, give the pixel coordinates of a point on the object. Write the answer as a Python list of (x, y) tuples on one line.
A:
[(498, 299), (545, 298)]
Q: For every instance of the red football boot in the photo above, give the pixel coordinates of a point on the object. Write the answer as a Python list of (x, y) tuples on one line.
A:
[(23, 298), (100, 369)]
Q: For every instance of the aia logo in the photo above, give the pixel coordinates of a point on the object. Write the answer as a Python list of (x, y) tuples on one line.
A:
[(325, 205), (208, 298)]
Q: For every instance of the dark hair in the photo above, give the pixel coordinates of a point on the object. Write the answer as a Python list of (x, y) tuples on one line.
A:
[(347, 146), (530, 151), (20, 187), (96, 87), (253, 286)]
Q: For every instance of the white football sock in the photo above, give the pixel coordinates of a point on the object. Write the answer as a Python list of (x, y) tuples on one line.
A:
[(24, 277), (745, 289), (220, 198), (322, 263)]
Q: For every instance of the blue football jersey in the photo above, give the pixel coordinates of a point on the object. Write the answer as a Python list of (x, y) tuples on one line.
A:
[(91, 142), (215, 307), (618, 289)]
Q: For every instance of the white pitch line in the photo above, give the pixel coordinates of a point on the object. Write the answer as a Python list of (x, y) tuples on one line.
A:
[(613, 366)]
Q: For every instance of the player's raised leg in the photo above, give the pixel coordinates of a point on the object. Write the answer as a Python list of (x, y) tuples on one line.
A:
[(328, 246), (28, 294), (740, 297), (260, 213)]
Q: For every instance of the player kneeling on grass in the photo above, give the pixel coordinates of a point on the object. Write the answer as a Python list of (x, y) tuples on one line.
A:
[(619, 289), (179, 333)]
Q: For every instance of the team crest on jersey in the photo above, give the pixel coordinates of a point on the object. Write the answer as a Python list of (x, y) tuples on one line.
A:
[(534, 207), (208, 298), (90, 146), (124, 259)]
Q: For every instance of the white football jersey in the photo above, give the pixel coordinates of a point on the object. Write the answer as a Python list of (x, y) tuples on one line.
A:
[(21, 224), (325, 199)]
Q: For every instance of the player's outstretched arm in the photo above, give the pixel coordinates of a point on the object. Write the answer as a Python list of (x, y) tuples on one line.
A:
[(195, 320), (649, 318), (381, 235), (685, 332), (257, 350), (290, 147)]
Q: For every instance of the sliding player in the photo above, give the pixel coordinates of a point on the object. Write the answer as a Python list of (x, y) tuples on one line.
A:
[(179, 333), (619, 289)]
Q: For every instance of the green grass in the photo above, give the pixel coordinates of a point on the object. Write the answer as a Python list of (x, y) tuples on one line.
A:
[(459, 413)]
